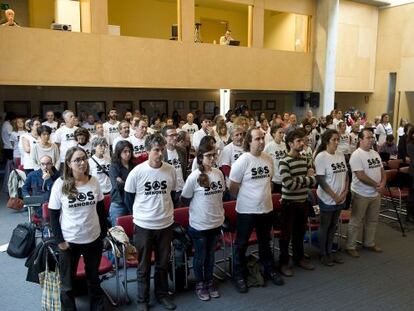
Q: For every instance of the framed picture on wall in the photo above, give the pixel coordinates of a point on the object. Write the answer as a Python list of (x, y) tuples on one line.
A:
[(153, 107), (256, 105), (55, 106), (270, 105), (20, 107), (193, 105), (209, 106), (95, 108), (240, 103), (122, 107), (178, 105)]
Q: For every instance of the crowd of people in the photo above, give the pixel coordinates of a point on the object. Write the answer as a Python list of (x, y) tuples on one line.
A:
[(149, 169)]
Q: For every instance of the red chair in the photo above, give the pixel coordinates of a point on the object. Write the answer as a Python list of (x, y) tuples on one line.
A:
[(229, 235), (107, 203), (394, 164), (126, 222)]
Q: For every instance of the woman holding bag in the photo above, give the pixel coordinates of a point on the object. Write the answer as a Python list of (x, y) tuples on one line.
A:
[(78, 223)]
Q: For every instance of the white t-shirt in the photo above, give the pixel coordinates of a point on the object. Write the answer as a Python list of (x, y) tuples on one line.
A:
[(53, 125), (66, 138), (369, 162), (78, 218), (191, 129), (343, 144), (277, 152), (138, 145), (87, 148), (111, 131), (353, 142), (383, 130), (198, 136), (26, 159), (206, 207), (230, 154), (89, 127), (6, 130), (117, 140), (173, 159), (153, 207), (99, 173), (308, 154), (15, 139), (333, 168), (254, 174)]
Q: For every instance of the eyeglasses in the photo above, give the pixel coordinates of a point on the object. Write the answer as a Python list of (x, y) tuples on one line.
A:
[(46, 164), (210, 155), (80, 160)]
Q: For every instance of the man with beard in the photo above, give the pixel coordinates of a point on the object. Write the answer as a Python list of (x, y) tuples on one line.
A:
[(111, 126), (250, 181), (148, 193)]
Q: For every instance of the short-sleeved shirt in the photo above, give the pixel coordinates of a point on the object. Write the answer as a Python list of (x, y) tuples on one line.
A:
[(277, 152), (66, 138), (111, 131), (230, 154), (153, 207), (174, 160), (138, 145), (206, 207), (101, 172), (334, 170), (79, 217), (254, 173), (370, 163)]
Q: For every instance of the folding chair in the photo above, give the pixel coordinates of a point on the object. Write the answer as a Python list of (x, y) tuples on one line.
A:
[(32, 203), (393, 196)]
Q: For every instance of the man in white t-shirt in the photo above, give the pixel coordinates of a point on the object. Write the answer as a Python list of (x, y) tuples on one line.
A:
[(50, 121), (65, 135), (124, 127), (138, 142), (6, 130), (250, 181), (206, 129), (89, 124), (368, 181), (111, 129), (232, 151), (148, 193), (190, 127), (178, 158)]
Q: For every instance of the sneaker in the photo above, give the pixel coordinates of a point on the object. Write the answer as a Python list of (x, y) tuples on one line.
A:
[(276, 278), (326, 261), (202, 292), (240, 285), (336, 258), (305, 264), (374, 249), (212, 289), (286, 270), (353, 253), (167, 303)]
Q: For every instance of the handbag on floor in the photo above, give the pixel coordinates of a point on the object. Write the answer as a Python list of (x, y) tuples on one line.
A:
[(50, 283)]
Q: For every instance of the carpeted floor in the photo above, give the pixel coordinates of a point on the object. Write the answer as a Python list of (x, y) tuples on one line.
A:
[(372, 282)]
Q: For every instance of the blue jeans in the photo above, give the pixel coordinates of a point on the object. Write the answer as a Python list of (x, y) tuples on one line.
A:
[(205, 242), (116, 210)]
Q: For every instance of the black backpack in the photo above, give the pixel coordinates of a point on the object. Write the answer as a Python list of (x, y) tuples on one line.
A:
[(22, 241)]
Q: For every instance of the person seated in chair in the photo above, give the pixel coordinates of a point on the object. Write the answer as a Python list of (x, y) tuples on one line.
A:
[(389, 147), (40, 182)]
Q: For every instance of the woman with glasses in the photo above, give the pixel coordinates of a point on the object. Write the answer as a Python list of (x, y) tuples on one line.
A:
[(78, 224), (45, 147), (121, 165), (203, 191), (100, 163)]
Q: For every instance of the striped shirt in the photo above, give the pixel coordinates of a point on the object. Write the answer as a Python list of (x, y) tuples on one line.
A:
[(295, 182)]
